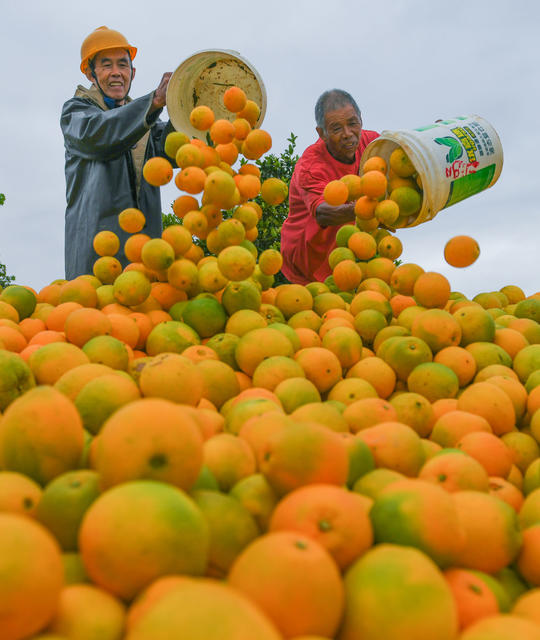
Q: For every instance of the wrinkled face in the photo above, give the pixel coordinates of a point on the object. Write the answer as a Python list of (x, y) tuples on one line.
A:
[(341, 133), (113, 72)]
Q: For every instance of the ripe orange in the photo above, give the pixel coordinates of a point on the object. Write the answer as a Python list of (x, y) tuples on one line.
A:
[(31, 576), (271, 571), (333, 516), (461, 251), (157, 171), (171, 538)]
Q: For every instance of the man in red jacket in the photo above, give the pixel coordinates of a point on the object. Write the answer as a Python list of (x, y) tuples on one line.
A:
[(309, 232)]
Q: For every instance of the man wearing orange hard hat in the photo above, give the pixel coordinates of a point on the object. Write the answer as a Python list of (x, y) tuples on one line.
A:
[(107, 138)]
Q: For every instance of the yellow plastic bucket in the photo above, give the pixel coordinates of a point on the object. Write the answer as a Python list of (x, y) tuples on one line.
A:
[(203, 78), (455, 159)]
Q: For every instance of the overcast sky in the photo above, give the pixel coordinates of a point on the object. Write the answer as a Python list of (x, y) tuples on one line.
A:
[(406, 62)]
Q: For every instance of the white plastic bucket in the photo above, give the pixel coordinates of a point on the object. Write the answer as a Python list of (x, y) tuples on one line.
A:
[(455, 159), (203, 78)]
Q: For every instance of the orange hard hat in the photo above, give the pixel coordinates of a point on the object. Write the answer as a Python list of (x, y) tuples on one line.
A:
[(100, 39)]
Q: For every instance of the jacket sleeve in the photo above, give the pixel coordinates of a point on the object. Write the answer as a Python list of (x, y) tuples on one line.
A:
[(94, 134)]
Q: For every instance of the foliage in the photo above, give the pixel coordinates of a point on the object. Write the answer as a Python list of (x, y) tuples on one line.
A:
[(5, 279)]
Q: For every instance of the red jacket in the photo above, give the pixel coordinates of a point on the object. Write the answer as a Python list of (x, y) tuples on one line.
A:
[(304, 244)]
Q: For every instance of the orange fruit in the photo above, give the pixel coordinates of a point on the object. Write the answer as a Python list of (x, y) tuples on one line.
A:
[(191, 609), (228, 154), (133, 247), (345, 343), (42, 434), (257, 142), (489, 450), (250, 111), (222, 131), (190, 179), (377, 372), (395, 446), (454, 471), (374, 184), (157, 254), (450, 427), (274, 369), (484, 517), (347, 275), (434, 381), (354, 186), (52, 360), (506, 491), (64, 502), (173, 454), (83, 324), (171, 538), (492, 403), (106, 350), (32, 576), (404, 353), (321, 367), (189, 155), (419, 514), (390, 247), (131, 220), (106, 243), (236, 263), (295, 392), (84, 610), (274, 191), (258, 344), (368, 412), (438, 328), (241, 129), (431, 289), (336, 193), (414, 410), (201, 118), (229, 458), (375, 163), (526, 562), (502, 627), (102, 396), (387, 212), (234, 99), (378, 607), (476, 325), (363, 245), (364, 208), (334, 517), (169, 375), (18, 493), (461, 251), (401, 164), (324, 458), (271, 570), (474, 599), (157, 171), (459, 360), (231, 528)]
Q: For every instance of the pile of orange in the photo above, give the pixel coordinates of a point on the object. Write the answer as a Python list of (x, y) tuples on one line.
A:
[(188, 450)]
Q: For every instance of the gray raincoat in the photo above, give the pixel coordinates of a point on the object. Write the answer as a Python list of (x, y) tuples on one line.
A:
[(105, 152)]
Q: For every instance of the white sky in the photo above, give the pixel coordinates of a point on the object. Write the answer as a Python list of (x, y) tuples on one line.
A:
[(407, 62)]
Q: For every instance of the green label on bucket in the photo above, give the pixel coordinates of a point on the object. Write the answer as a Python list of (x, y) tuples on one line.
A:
[(470, 184)]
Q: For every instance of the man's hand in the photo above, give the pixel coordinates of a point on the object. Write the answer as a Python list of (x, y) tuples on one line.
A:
[(160, 93), (329, 216)]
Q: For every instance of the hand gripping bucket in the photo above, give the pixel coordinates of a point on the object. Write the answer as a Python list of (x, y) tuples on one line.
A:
[(203, 78), (454, 158)]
